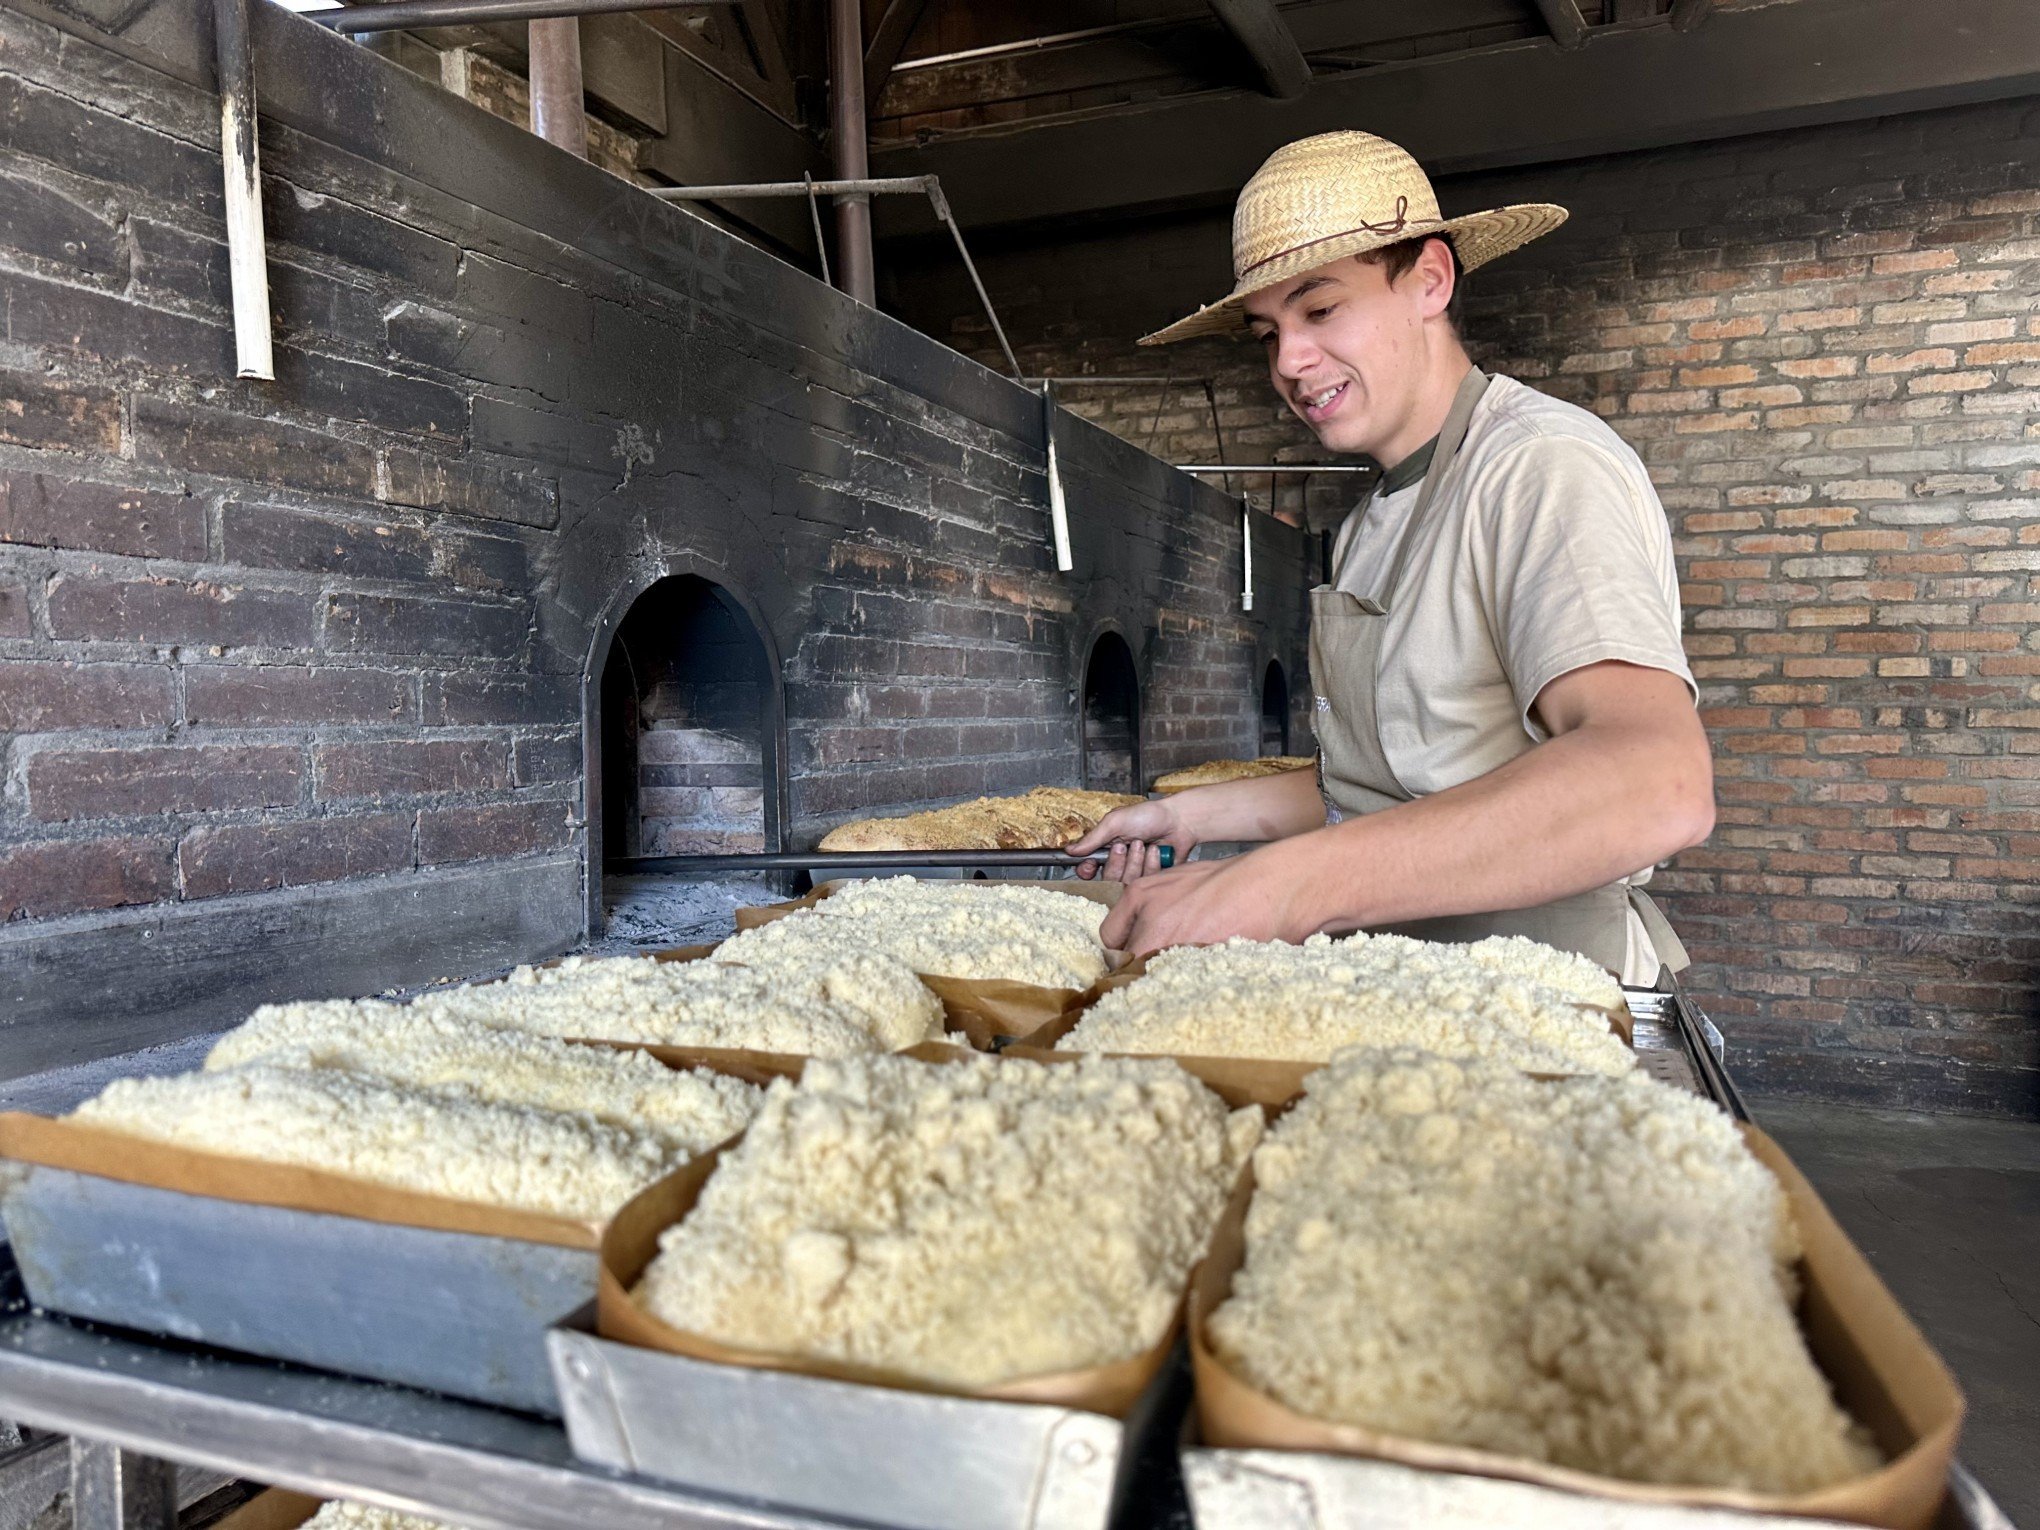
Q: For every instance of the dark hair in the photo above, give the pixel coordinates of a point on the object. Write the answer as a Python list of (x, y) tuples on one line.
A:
[(1397, 260)]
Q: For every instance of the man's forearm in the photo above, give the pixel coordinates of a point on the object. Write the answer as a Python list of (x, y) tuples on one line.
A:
[(1577, 812), (1267, 807)]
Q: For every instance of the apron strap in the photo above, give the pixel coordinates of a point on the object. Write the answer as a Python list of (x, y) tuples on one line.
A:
[(1450, 435)]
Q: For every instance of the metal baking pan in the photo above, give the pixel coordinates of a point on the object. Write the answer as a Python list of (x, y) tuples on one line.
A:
[(910, 1460), (452, 1312), (1302, 1490)]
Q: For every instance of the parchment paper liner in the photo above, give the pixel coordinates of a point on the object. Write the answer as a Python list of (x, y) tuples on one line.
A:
[(986, 1010), (632, 1239), (1882, 1369), (85, 1148)]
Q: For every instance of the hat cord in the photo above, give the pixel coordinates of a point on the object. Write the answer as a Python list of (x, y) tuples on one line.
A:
[(1394, 225)]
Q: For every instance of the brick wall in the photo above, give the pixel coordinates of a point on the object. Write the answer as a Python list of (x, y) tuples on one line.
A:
[(1825, 345), (294, 677)]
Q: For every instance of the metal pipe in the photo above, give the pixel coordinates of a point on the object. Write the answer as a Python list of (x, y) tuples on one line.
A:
[(407, 14), (247, 259), (559, 103), (851, 132), (460, 13), (923, 185), (1100, 382), (814, 209), (858, 860), (1235, 469), (941, 205), (740, 189)]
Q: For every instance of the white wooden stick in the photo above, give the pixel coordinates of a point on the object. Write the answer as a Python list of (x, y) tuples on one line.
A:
[(246, 252)]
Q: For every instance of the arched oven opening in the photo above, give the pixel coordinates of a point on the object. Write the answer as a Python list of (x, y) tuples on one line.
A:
[(1274, 710), (689, 744), (1110, 721)]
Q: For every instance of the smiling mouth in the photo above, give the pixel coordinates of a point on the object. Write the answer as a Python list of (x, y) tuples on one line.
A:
[(1316, 406)]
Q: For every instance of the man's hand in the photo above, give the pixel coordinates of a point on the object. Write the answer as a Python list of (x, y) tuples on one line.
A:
[(1135, 834), (1261, 895), (1266, 807)]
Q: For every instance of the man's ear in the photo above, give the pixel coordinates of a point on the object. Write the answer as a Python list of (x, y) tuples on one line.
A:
[(1436, 277)]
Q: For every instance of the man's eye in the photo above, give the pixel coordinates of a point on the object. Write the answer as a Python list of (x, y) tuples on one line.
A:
[(1317, 315)]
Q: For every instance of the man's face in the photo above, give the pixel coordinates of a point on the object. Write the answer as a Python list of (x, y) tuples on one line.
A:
[(1345, 347)]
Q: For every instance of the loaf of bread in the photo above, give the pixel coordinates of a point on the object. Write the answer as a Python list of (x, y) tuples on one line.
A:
[(966, 1224), (1211, 772), (1046, 818), (1590, 1272), (1505, 998), (997, 931), (441, 1142)]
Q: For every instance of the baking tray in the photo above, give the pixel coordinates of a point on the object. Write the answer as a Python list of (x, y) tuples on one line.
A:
[(1289, 1490), (911, 1460), (461, 1313)]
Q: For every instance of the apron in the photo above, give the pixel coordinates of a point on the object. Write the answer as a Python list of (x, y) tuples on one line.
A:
[(1346, 640)]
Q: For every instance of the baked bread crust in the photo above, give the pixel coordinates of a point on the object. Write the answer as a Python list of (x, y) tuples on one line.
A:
[(1046, 818), (1211, 772)]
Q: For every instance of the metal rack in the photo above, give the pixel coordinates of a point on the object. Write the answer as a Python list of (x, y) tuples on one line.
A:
[(131, 1402)]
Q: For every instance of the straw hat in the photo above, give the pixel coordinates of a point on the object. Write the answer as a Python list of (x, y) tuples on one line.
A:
[(1321, 199)]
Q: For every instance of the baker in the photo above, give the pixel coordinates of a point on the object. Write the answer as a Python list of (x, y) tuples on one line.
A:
[(1505, 719)]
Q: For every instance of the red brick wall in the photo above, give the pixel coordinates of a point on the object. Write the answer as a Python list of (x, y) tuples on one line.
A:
[(1825, 345)]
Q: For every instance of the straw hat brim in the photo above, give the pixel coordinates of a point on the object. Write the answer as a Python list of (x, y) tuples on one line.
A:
[(1477, 238)]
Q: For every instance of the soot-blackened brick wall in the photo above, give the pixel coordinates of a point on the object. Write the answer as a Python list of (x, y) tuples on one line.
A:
[(1825, 345), (295, 678)]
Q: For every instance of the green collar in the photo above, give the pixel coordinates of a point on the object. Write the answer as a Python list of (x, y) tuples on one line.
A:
[(1406, 472)]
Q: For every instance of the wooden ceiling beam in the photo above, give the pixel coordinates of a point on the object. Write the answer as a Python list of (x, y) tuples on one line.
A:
[(1257, 27), (1746, 71), (1562, 19), (888, 41)]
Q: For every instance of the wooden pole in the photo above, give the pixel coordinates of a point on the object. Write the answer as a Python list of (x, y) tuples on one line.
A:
[(559, 108), (247, 260), (850, 129)]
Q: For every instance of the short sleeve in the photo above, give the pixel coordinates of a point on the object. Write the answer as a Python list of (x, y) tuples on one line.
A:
[(1576, 568)]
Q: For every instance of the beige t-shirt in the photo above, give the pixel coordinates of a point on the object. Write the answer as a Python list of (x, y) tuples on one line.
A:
[(1543, 551)]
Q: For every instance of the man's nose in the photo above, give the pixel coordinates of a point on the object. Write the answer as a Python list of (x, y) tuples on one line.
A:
[(1295, 355)]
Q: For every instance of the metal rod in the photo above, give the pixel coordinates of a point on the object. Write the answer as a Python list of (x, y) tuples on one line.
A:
[(1234, 469), (240, 160), (559, 104), (1124, 382), (942, 211), (851, 133), (1712, 1074), (858, 860), (921, 185), (1217, 430), (915, 183), (815, 217), (407, 14)]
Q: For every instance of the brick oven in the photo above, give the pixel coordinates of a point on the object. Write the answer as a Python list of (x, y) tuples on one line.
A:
[(1274, 709), (1111, 716), (690, 748), (572, 525)]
